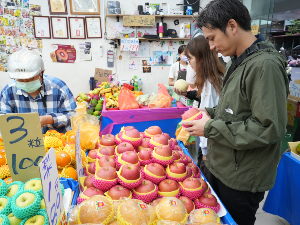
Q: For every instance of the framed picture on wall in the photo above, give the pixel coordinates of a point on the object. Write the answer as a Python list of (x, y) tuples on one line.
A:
[(93, 27), (86, 7), (57, 7), (41, 26), (77, 27), (59, 27)]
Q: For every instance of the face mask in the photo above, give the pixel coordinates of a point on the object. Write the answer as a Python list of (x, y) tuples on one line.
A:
[(184, 58), (29, 87)]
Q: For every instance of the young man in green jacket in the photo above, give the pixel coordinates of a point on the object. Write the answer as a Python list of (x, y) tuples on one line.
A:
[(245, 129)]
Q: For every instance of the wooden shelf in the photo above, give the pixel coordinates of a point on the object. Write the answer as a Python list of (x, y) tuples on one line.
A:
[(154, 39), (158, 16)]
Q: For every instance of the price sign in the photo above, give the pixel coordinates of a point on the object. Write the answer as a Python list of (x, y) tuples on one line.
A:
[(24, 144), (78, 155), (130, 21), (51, 187)]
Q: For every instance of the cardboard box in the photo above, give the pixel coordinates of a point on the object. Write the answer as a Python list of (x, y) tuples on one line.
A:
[(293, 147), (291, 110)]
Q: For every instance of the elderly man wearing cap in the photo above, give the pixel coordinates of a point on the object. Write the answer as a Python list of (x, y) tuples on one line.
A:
[(32, 91)]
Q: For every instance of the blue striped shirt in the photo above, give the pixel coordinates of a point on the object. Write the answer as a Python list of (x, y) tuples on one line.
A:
[(58, 97)]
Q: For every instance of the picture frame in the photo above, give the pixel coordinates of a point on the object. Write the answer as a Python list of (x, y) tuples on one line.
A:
[(57, 7), (85, 7), (93, 27), (59, 27), (41, 27), (77, 27)]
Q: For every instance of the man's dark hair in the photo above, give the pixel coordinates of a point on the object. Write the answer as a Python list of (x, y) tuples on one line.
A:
[(217, 13)]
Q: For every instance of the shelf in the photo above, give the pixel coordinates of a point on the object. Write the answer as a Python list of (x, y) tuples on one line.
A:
[(154, 39), (158, 16)]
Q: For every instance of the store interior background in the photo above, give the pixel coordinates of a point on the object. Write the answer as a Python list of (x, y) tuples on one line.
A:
[(77, 74)]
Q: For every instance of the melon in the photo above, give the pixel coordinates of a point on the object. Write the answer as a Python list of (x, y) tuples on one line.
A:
[(181, 85)]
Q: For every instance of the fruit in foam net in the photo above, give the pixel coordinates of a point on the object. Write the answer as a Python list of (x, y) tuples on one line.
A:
[(35, 220), (107, 173), (69, 172), (168, 185), (161, 139), (194, 168), (90, 192), (144, 143), (208, 199), (156, 169), (107, 141), (43, 204), (4, 219), (118, 191), (168, 222), (154, 130), (106, 161), (189, 159), (172, 209), (155, 202), (181, 85), (203, 216), (96, 210), (92, 153), (130, 157), (177, 156), (92, 168), (13, 188), (188, 203), (114, 223), (145, 187), (190, 113), (178, 168), (13, 220), (8, 180), (134, 212), (3, 187), (125, 147), (134, 133), (163, 150), (73, 220), (189, 172), (4, 172), (88, 181), (204, 185), (35, 184), (2, 159), (129, 128), (191, 183), (5, 205), (130, 172), (63, 159), (174, 141), (145, 154), (109, 151), (167, 136), (177, 148)]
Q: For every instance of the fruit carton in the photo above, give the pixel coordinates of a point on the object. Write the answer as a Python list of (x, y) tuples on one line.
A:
[(191, 193), (175, 193), (130, 184), (146, 197), (150, 176), (200, 205), (164, 161), (175, 176)]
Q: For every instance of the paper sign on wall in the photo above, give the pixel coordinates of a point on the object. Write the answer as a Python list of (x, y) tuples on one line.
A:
[(51, 187), (102, 75), (78, 155), (129, 44), (139, 21), (24, 144)]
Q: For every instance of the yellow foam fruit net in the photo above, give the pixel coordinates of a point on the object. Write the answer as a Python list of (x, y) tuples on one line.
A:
[(169, 194), (120, 160), (193, 117), (197, 189), (125, 180), (130, 138), (203, 216), (175, 174), (107, 195), (151, 174), (163, 158), (53, 134), (4, 171), (52, 142)]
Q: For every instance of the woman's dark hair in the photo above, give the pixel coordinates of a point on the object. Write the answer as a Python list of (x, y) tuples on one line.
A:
[(217, 13), (208, 66), (180, 50)]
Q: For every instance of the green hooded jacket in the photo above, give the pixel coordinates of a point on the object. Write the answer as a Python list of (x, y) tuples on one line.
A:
[(246, 127)]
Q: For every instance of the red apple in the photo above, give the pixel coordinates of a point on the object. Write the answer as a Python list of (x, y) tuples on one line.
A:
[(194, 168), (144, 143), (168, 185), (130, 172), (118, 191), (107, 173), (91, 191), (178, 168), (209, 200), (88, 181), (188, 114), (120, 134), (161, 139), (154, 130), (125, 147), (177, 156), (145, 187), (133, 133), (107, 141), (107, 161), (92, 153), (156, 169), (177, 148), (188, 203), (204, 184), (189, 172), (145, 153), (189, 159), (174, 141), (129, 128), (163, 150), (191, 183), (108, 150), (92, 168), (167, 136), (130, 157), (142, 134), (111, 136)]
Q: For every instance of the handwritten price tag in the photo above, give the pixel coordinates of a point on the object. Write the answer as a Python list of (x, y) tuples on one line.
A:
[(78, 155), (130, 21)]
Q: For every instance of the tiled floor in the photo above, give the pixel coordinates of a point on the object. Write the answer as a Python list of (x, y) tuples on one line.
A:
[(263, 218)]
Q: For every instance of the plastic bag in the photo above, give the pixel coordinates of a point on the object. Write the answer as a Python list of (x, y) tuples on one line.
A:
[(204, 216), (143, 99), (160, 101), (170, 89), (127, 100), (163, 90), (89, 129)]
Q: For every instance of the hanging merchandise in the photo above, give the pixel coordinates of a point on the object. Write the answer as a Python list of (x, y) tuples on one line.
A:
[(63, 53), (110, 58)]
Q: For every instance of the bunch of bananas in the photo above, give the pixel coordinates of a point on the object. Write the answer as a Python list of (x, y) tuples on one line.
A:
[(112, 102)]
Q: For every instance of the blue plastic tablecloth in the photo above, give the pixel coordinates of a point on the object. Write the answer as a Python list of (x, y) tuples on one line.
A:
[(284, 198), (227, 219)]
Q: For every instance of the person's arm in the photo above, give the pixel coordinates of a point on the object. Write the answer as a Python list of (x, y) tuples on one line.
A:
[(171, 82), (267, 124), (172, 75)]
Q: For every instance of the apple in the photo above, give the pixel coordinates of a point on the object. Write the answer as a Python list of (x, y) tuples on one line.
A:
[(177, 148), (190, 113), (92, 168), (35, 220), (154, 130), (194, 168), (111, 136), (174, 141), (188, 203), (90, 192), (129, 128), (189, 159), (145, 187), (130, 172), (106, 161), (204, 184), (191, 183), (25, 200), (12, 190), (156, 169), (145, 153), (130, 157), (3, 203), (142, 134), (14, 220), (92, 153), (134, 133), (168, 185), (161, 139), (177, 156), (209, 200), (167, 136), (88, 181), (144, 143), (178, 168), (118, 191), (107, 141), (35, 185), (189, 172), (108, 150), (163, 150), (43, 204), (107, 173), (120, 134), (125, 147)]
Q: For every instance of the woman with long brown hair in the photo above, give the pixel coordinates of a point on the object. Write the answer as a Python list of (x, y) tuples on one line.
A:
[(209, 77)]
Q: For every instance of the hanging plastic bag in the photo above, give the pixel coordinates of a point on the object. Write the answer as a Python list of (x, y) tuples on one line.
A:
[(160, 101), (127, 100), (163, 90)]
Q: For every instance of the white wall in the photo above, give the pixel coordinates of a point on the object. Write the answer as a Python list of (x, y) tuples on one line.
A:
[(77, 74)]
